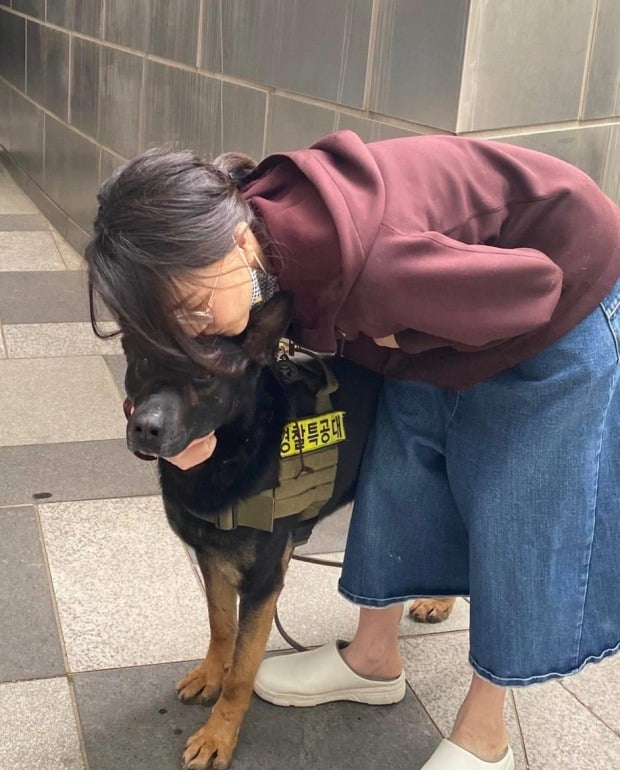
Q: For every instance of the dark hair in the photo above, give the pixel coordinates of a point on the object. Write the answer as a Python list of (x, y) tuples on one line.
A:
[(161, 217)]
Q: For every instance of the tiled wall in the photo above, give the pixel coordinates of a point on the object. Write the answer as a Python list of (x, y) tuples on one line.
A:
[(87, 83)]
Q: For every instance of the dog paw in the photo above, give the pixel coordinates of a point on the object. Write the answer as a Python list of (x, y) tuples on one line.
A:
[(211, 748), (199, 686), (431, 610)]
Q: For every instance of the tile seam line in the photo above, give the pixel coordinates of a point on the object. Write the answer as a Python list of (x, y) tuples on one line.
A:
[(520, 728), (89, 499), (71, 126), (589, 709), (61, 639), (589, 54)]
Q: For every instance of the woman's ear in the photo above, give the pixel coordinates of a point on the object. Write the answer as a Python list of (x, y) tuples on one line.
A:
[(240, 234), (267, 325)]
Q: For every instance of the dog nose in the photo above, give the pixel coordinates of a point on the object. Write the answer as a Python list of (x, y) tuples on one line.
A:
[(148, 425)]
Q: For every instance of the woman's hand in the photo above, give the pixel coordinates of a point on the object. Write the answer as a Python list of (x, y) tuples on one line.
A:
[(386, 342), (195, 453)]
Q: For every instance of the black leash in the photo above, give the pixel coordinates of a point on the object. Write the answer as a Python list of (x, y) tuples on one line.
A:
[(309, 560), (286, 351)]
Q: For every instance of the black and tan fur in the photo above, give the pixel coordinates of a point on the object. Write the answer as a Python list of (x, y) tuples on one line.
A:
[(172, 406)]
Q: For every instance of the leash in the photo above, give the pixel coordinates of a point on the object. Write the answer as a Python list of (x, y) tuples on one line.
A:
[(282, 631)]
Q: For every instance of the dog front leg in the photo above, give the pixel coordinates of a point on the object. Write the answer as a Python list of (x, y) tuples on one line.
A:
[(213, 745), (205, 682)]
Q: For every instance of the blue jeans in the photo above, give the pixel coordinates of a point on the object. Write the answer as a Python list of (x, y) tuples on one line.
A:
[(508, 492)]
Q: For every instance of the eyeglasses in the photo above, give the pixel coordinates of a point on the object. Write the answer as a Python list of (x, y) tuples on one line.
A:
[(200, 319)]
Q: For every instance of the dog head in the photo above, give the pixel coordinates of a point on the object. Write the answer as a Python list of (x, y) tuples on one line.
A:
[(169, 406)]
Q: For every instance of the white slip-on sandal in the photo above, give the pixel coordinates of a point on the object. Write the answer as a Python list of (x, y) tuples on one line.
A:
[(449, 756), (321, 676)]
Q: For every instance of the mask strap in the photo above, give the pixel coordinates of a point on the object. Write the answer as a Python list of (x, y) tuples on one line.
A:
[(245, 261)]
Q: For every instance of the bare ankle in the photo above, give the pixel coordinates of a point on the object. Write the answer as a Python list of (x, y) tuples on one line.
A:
[(373, 661), (479, 726), (488, 745)]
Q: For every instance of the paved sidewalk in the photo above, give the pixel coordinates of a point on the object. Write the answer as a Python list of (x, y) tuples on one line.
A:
[(102, 608)]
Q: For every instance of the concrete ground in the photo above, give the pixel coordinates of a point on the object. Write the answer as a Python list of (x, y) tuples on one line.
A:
[(102, 609)]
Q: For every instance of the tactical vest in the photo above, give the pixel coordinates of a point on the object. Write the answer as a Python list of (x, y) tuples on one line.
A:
[(308, 465)]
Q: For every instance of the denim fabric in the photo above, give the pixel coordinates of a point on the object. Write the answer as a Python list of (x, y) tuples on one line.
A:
[(508, 492)]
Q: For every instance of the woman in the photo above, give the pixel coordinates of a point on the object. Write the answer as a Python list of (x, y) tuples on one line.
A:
[(482, 280)]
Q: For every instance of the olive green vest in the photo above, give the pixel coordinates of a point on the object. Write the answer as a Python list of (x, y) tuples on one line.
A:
[(308, 464)]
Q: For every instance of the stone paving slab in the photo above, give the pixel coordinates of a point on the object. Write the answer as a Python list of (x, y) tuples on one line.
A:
[(29, 643), (560, 733), (21, 222), (38, 726), (125, 588), (597, 687), (132, 721), (117, 366), (44, 297), (29, 251), (51, 340), (13, 202), (84, 470), (58, 400)]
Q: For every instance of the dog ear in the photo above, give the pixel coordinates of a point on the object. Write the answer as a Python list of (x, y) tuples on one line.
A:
[(267, 325)]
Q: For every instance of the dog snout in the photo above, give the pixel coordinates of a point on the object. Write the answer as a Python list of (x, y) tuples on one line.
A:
[(155, 425)]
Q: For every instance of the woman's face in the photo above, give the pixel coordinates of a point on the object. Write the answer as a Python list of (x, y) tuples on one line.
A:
[(217, 300)]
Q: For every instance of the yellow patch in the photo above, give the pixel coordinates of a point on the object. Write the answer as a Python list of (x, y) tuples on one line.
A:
[(312, 433)]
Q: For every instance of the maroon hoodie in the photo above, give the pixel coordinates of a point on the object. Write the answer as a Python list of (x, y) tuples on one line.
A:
[(476, 255)]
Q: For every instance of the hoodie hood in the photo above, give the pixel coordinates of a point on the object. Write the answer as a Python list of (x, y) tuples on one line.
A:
[(322, 208)]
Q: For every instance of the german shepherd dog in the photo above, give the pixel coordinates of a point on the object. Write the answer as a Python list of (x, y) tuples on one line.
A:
[(166, 410)]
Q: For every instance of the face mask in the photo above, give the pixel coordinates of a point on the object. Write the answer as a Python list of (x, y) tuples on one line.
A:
[(264, 286)]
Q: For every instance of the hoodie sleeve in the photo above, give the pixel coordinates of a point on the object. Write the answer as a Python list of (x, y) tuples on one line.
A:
[(432, 291)]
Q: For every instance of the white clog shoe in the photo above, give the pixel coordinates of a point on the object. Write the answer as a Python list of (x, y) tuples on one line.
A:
[(321, 676), (449, 756)]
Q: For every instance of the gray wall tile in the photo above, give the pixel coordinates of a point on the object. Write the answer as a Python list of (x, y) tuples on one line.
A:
[(183, 109), (603, 92), (26, 136), (108, 163), (371, 130), (5, 113), (5, 2), (85, 77), (611, 175), (119, 103), (212, 36), (127, 23), (71, 171), (79, 15), (585, 147), (418, 60), (13, 48), (318, 48), (525, 63), (32, 7), (243, 119), (174, 30), (47, 67), (293, 125)]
